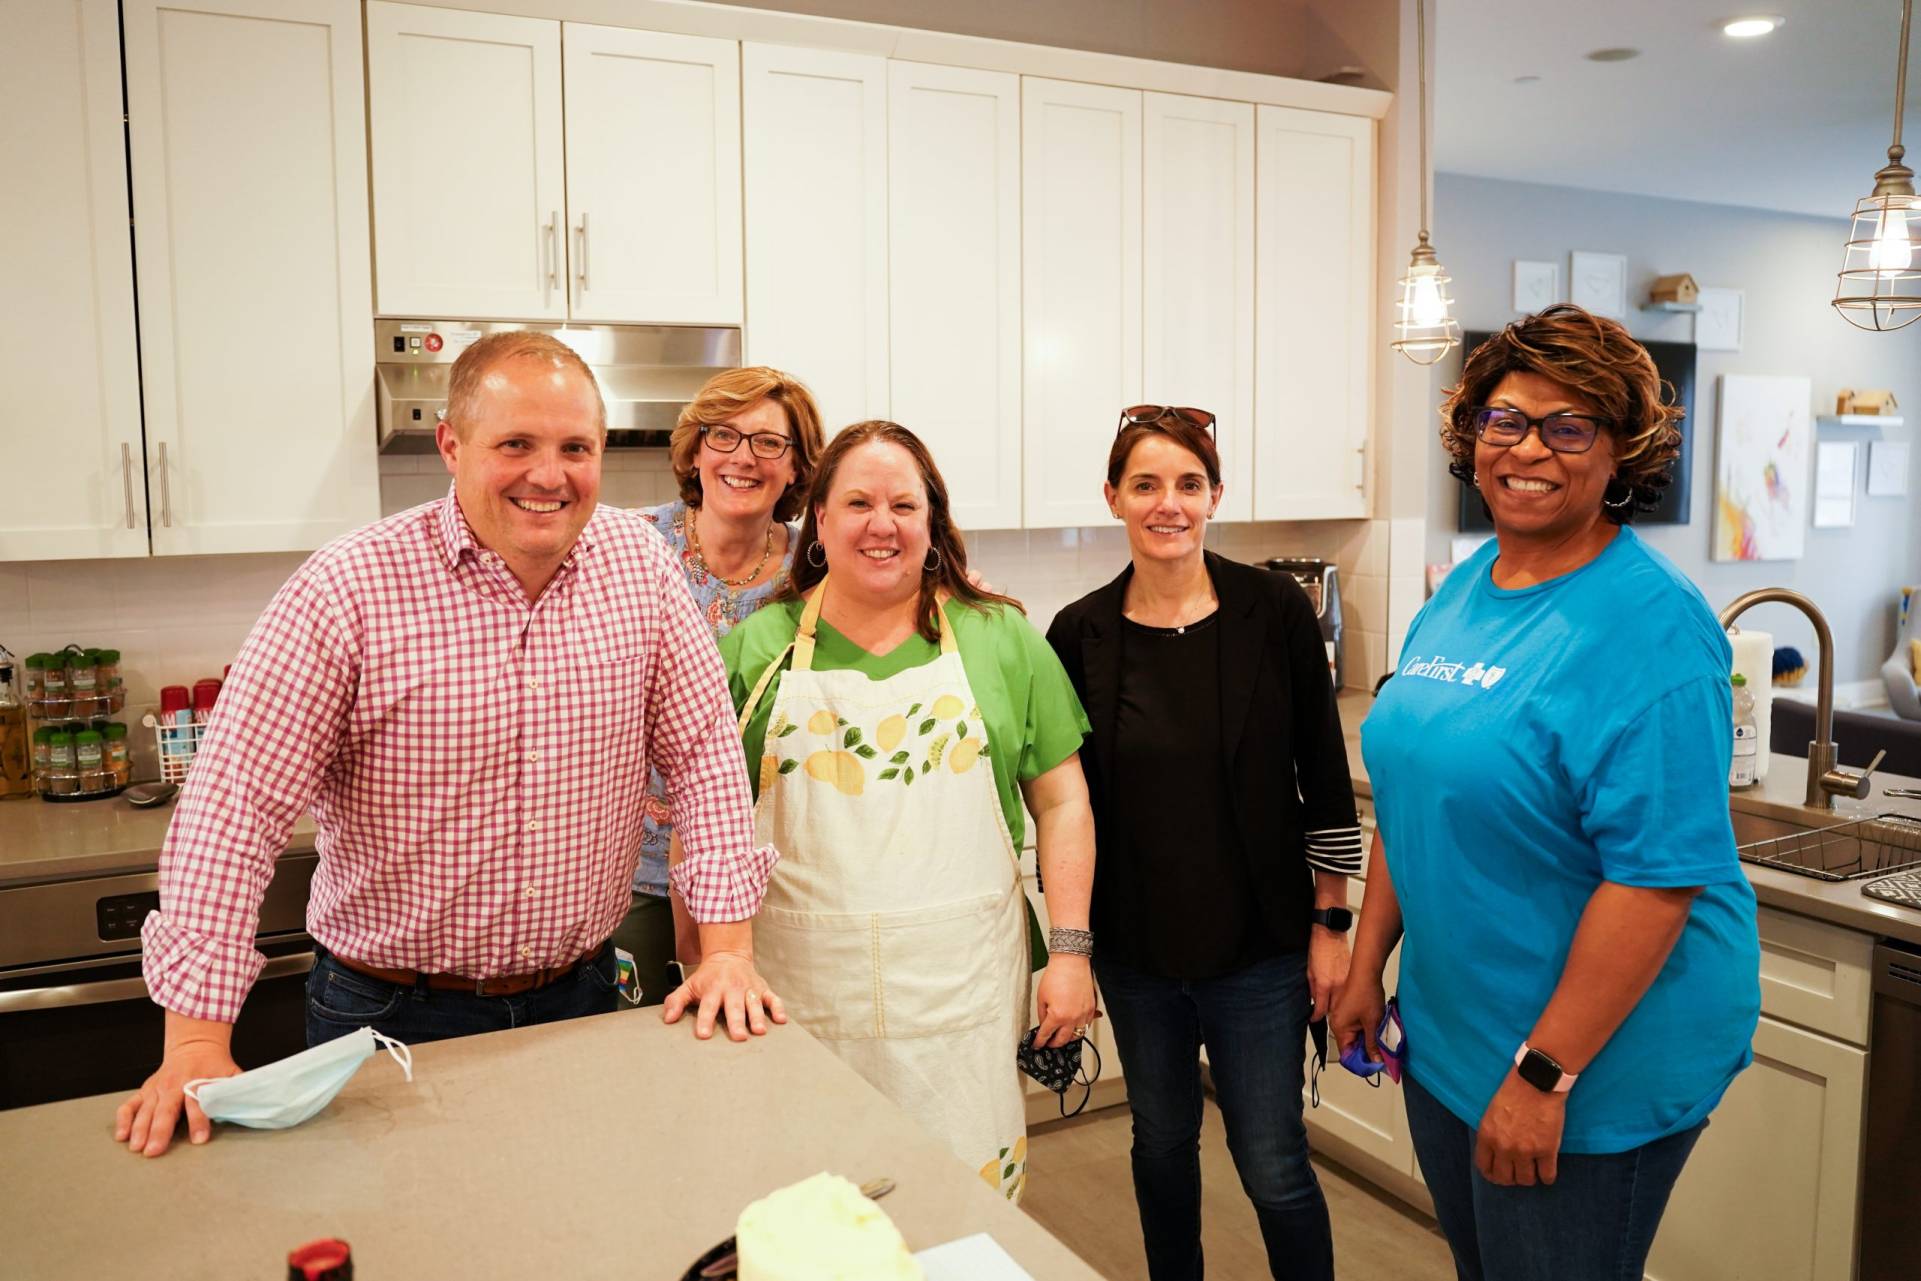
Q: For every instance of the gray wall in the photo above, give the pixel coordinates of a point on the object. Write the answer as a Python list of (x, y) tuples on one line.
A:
[(1786, 263)]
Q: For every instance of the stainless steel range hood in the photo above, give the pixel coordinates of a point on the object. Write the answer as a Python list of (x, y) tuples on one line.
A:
[(647, 373)]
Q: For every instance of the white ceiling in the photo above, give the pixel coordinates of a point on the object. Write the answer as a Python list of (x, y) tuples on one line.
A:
[(1798, 120)]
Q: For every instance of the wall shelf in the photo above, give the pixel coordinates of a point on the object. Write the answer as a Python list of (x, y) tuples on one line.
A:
[(1688, 307), (1857, 420)]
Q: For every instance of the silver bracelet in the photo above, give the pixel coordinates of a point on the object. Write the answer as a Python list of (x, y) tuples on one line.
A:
[(1071, 942)]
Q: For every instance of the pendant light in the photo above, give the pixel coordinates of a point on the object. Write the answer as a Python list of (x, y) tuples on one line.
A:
[(1424, 327), (1880, 278)]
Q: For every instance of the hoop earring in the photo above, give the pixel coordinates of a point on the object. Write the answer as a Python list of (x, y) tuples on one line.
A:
[(1474, 478), (938, 560), (816, 547), (1625, 501)]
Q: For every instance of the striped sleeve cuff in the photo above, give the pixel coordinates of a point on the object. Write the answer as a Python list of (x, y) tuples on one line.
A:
[(1335, 849)]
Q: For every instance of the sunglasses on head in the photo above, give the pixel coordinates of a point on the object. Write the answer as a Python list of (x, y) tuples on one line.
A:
[(1148, 415)]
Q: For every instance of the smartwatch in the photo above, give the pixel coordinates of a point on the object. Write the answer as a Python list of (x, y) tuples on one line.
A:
[(1541, 1071), (1338, 919)]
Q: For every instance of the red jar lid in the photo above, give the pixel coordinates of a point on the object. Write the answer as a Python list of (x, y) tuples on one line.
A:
[(204, 694), (328, 1259), (173, 698)]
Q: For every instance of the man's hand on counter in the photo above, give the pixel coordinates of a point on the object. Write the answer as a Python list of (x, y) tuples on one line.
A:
[(728, 983), (195, 1050)]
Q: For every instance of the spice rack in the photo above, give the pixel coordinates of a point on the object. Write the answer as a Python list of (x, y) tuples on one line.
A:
[(79, 752)]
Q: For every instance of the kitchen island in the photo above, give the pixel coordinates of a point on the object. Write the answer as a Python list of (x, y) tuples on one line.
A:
[(603, 1147)]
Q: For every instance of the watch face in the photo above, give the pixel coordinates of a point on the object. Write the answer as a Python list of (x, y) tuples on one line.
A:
[(1539, 1071), (1334, 918)]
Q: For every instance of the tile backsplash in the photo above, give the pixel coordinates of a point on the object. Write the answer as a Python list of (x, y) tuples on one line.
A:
[(178, 618)]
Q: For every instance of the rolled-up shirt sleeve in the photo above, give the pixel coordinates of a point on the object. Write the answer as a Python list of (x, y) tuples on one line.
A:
[(276, 731), (692, 741)]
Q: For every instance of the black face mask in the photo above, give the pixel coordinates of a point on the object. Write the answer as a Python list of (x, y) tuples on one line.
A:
[(1059, 1067)]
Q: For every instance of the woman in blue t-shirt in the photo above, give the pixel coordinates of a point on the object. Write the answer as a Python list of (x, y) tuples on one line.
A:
[(1579, 975)]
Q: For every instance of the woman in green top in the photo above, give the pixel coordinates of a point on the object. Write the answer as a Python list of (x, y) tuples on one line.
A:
[(894, 717)]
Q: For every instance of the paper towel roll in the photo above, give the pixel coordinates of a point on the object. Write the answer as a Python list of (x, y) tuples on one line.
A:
[(1754, 659)]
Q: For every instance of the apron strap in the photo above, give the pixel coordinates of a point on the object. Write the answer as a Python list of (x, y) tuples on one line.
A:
[(802, 647), (760, 688)]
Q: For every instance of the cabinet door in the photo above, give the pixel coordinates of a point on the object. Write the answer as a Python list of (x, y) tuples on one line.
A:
[(954, 279), (1314, 357), (1772, 1188), (67, 354), (1080, 290), (467, 163), (1197, 227), (1372, 1118), (653, 176), (814, 149), (250, 230)]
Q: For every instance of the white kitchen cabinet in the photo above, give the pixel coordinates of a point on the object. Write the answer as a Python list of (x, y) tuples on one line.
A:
[(954, 279), (1815, 974), (469, 194), (1314, 333), (249, 163), (1197, 170), (69, 369), (1773, 1185), (814, 154), (1080, 291), (653, 176)]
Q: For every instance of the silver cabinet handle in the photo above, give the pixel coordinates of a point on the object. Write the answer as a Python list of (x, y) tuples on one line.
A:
[(1361, 484), (166, 490), (583, 253), (82, 992), (126, 478), (551, 232)]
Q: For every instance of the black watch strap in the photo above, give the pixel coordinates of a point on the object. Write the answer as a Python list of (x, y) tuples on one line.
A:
[(1338, 919)]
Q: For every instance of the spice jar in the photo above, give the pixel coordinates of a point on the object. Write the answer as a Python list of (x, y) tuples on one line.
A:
[(53, 676), (61, 780), (89, 755), (119, 760), (106, 670), (43, 749), (36, 670), (81, 675)]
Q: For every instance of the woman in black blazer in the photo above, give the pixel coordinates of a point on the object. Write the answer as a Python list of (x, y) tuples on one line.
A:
[(1225, 822)]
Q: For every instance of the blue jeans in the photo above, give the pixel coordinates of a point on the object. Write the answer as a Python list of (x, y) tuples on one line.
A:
[(1254, 1025), (1595, 1222), (340, 1001)]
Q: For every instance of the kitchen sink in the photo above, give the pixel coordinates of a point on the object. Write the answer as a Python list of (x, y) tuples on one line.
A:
[(1835, 852)]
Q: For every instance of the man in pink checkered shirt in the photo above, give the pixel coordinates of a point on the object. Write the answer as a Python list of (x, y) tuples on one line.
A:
[(468, 696)]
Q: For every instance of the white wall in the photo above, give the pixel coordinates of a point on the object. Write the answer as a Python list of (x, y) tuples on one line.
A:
[(1786, 265)]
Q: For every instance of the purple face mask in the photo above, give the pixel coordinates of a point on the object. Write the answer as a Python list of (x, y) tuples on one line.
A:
[(1392, 1039)]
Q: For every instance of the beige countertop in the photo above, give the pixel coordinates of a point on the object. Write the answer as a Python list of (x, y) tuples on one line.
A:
[(1776, 799), (44, 841), (604, 1147)]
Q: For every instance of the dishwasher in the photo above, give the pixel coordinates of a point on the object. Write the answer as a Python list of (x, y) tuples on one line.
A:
[(1891, 1187)]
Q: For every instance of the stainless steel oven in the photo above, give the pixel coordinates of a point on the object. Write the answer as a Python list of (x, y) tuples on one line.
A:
[(75, 1015)]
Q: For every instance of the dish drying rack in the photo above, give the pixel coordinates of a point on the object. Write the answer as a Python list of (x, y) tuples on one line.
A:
[(1871, 846)]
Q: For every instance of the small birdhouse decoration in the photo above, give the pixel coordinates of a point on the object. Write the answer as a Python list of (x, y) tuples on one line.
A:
[(1876, 403), (1680, 288)]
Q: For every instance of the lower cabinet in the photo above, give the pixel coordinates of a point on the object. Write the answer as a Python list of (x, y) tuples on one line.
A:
[(1772, 1188)]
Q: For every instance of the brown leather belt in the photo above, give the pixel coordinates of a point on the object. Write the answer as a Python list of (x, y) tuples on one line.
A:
[(499, 985)]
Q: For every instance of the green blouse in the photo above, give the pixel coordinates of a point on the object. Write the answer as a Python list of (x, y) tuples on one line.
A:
[(1024, 694)]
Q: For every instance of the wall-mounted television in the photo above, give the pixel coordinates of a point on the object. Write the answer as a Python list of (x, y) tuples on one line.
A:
[(1675, 361)]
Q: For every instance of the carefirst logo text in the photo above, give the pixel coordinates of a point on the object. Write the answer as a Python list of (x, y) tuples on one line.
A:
[(1439, 669)]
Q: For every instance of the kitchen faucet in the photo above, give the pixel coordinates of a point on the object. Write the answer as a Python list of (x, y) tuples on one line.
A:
[(1826, 779)]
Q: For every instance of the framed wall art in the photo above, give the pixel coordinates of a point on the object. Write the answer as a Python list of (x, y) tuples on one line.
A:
[(1536, 285), (1599, 282), (1761, 468)]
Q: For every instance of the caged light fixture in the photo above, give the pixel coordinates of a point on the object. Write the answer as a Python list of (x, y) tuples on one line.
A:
[(1880, 278), (1424, 327)]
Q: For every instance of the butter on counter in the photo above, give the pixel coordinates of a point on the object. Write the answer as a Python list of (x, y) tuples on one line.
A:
[(821, 1229)]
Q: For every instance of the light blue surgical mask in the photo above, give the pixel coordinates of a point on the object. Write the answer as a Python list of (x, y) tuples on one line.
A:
[(285, 1093)]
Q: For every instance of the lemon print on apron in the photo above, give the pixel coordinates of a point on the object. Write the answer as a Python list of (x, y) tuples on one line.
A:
[(1007, 1173), (842, 764)]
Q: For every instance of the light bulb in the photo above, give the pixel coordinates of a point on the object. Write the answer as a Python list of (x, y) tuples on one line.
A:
[(1426, 308), (1892, 250)]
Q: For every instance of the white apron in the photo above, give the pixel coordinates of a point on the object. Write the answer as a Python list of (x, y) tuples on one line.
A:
[(893, 927)]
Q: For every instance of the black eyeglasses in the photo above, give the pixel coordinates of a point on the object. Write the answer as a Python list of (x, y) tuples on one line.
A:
[(1148, 415), (1562, 433), (765, 444)]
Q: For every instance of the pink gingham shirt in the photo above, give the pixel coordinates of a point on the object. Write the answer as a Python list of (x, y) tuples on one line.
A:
[(475, 764)]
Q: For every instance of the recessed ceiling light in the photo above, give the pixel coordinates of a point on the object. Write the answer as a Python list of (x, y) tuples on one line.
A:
[(1527, 80), (1749, 27), (1613, 55)]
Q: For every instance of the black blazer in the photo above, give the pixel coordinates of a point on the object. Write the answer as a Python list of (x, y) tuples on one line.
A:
[(1281, 739)]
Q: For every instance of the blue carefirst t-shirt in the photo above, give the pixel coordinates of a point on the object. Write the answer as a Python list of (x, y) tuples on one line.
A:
[(1533, 744)]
